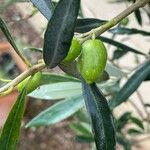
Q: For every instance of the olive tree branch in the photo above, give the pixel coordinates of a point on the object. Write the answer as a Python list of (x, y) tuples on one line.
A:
[(114, 21), (9, 87)]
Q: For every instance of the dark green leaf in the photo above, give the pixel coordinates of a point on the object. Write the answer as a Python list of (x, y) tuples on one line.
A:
[(137, 121), (138, 16), (122, 121), (121, 30), (102, 121), (118, 54), (55, 78), (131, 85), (87, 24), (45, 7), (121, 46), (147, 78), (11, 130), (58, 112), (84, 139), (82, 129), (71, 69), (34, 49), (60, 31), (122, 141), (134, 131), (82, 116)]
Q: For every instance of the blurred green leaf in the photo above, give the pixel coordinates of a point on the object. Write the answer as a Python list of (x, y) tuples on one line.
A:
[(138, 16), (134, 132), (118, 53), (121, 46), (87, 24), (33, 49), (114, 71), (102, 122), (60, 31), (10, 39), (81, 129), (122, 121), (11, 130), (137, 122), (122, 31), (125, 143), (58, 112), (131, 85), (84, 139)]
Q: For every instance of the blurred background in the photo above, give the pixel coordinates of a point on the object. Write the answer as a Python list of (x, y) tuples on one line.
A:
[(27, 26)]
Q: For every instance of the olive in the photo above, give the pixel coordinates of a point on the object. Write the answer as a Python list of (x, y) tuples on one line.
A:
[(74, 51), (92, 61), (33, 84)]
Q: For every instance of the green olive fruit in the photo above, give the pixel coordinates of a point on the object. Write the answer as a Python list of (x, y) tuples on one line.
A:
[(74, 51), (92, 61), (124, 22), (33, 83)]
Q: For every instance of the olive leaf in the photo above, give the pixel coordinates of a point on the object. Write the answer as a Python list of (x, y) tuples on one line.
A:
[(87, 24), (60, 31), (59, 111), (102, 121), (44, 6), (138, 16), (122, 31), (131, 85), (120, 45), (11, 130)]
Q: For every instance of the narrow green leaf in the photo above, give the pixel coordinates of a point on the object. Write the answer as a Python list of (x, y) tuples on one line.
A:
[(114, 71), (60, 31), (125, 143), (137, 121), (138, 16), (118, 53), (87, 24), (122, 30), (58, 112), (11, 130), (134, 132), (10, 39), (131, 85), (121, 46), (84, 139), (34, 49), (122, 121), (82, 129), (102, 121), (44, 6)]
